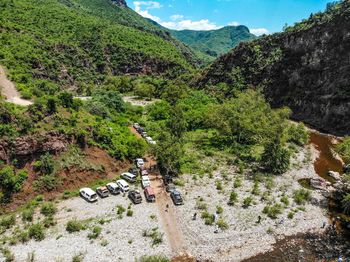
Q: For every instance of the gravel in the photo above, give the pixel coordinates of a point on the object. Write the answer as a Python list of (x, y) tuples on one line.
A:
[(124, 236), (245, 237)]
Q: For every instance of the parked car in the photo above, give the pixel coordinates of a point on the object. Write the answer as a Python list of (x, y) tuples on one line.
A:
[(140, 130), (113, 188), (88, 194), (124, 186), (145, 181), (129, 177), (135, 196), (170, 188), (144, 134), (150, 140), (176, 197), (167, 179), (134, 171), (102, 191), (139, 162), (136, 125), (149, 194)]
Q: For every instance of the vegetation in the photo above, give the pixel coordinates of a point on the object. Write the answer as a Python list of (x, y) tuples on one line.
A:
[(155, 235), (95, 232), (36, 231), (48, 209), (74, 226), (344, 149), (302, 196), (153, 259), (273, 211)]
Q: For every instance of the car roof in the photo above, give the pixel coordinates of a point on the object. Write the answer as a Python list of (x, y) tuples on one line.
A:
[(112, 184), (123, 182), (139, 159), (128, 174), (175, 192), (145, 177), (88, 191), (102, 188), (149, 190)]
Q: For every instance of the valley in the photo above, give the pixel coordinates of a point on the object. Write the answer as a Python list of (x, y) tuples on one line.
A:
[(237, 145)]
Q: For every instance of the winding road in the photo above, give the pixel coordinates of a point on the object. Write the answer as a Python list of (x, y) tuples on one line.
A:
[(9, 91)]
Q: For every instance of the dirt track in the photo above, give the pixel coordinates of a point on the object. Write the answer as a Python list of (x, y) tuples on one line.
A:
[(9, 90)]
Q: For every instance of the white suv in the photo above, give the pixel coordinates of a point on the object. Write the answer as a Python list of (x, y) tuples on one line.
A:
[(89, 194), (145, 181), (139, 162), (129, 177), (124, 186)]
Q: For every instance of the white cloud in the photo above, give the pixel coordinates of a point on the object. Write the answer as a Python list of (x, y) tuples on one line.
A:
[(176, 17), (203, 24), (148, 5), (259, 31), (234, 23)]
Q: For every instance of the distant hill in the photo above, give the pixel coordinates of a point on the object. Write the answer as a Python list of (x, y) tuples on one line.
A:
[(54, 44), (214, 43), (306, 68)]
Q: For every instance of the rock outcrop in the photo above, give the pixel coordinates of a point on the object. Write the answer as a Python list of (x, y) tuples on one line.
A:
[(121, 3), (30, 145), (305, 68)]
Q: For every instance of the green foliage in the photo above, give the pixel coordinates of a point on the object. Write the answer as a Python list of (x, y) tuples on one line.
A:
[(233, 198), (256, 188), (129, 213), (48, 209), (273, 211), (95, 232), (344, 149), (46, 55), (6, 252), (346, 203), (285, 200), (78, 257), (46, 164), (11, 182), (8, 221), (247, 202), (208, 218), (155, 235), (36, 231), (27, 214), (222, 224), (237, 183), (219, 210), (213, 43), (74, 226), (302, 196), (298, 134), (276, 158)]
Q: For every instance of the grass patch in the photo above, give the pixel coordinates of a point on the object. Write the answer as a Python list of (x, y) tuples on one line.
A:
[(302, 196), (155, 235), (74, 226), (36, 231), (48, 209), (95, 232)]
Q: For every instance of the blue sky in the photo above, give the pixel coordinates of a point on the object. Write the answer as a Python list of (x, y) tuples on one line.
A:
[(261, 16)]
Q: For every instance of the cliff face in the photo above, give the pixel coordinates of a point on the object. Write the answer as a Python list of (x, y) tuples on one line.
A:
[(305, 69), (121, 3)]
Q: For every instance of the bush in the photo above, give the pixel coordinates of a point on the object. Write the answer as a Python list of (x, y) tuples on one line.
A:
[(302, 196), (298, 134), (36, 231), (256, 188), (285, 200), (218, 184), (208, 218), (9, 257), (291, 215), (96, 231), (201, 205), (222, 224), (129, 213), (273, 211), (78, 257), (8, 221), (233, 198), (237, 183), (27, 215), (157, 237), (49, 221), (45, 165), (276, 158), (219, 210), (74, 226), (48, 209), (247, 202)]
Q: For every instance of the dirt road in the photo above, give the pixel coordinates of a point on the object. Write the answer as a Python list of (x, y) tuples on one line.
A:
[(9, 90), (166, 207)]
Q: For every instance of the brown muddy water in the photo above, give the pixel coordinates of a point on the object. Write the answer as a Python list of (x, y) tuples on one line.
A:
[(327, 160)]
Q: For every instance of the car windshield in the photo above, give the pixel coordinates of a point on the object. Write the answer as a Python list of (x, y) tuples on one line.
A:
[(93, 195)]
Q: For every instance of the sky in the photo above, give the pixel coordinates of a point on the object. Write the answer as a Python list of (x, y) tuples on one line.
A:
[(260, 16)]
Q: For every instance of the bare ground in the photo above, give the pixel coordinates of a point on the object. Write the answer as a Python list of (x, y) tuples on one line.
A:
[(9, 90)]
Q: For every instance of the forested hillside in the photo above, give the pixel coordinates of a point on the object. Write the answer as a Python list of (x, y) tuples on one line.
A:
[(214, 43), (305, 67), (55, 44)]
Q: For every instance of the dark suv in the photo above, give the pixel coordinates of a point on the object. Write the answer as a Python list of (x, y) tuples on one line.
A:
[(135, 196), (176, 197)]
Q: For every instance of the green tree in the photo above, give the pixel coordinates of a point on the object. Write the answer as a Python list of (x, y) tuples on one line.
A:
[(177, 124), (276, 158), (66, 99)]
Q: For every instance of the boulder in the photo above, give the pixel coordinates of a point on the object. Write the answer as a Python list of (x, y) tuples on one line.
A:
[(334, 175)]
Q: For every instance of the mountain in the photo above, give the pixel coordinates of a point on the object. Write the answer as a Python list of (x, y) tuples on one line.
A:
[(54, 44), (306, 68), (214, 43)]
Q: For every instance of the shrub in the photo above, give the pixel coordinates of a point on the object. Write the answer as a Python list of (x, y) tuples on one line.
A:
[(23, 236), (285, 200), (8, 221), (36, 231), (276, 158), (49, 221), (256, 189), (219, 210), (45, 165), (78, 257), (237, 183), (129, 213), (222, 224), (273, 211), (247, 201), (155, 235), (218, 184), (291, 215), (302, 196), (233, 198), (208, 218), (27, 215), (74, 226), (96, 231), (48, 209), (9, 257), (201, 205)]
